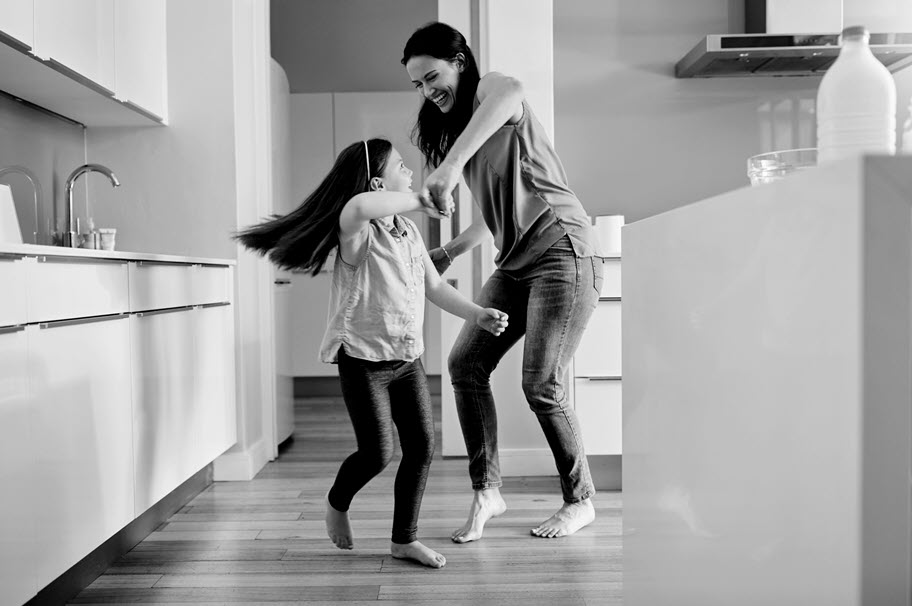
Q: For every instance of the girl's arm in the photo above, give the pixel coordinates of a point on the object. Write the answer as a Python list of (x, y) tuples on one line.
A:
[(500, 101), (449, 299), (366, 206)]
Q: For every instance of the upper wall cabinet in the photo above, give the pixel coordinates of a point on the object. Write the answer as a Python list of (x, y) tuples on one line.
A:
[(78, 34), (98, 62), (18, 19), (141, 58)]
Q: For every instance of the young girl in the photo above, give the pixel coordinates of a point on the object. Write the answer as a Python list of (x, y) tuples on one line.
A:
[(381, 275)]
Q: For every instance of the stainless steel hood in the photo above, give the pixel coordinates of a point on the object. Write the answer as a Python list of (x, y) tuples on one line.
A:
[(800, 38), (727, 55)]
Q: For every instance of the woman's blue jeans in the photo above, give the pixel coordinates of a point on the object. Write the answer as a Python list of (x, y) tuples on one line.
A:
[(550, 304)]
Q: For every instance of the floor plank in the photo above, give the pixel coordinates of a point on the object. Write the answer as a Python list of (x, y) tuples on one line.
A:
[(263, 542)]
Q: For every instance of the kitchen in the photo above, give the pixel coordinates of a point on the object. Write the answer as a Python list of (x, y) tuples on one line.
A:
[(635, 141)]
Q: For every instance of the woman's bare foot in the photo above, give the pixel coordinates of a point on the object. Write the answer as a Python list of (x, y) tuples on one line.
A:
[(567, 520), (486, 504), (338, 527), (419, 553)]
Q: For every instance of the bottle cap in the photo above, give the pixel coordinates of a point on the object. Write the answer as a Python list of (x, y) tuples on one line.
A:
[(854, 31)]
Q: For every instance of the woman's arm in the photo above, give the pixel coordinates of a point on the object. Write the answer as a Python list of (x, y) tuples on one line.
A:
[(449, 299), (472, 236), (500, 101)]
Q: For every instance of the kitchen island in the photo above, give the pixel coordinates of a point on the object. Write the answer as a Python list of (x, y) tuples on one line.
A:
[(767, 393), (117, 386)]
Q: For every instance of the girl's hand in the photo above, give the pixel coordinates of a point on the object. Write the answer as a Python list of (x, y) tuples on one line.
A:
[(440, 185), (492, 320), (428, 208)]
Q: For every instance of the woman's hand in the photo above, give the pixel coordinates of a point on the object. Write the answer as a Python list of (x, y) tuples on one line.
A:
[(440, 258), (492, 320), (440, 185)]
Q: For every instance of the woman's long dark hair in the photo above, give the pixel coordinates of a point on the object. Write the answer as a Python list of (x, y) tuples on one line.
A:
[(303, 238), (435, 132)]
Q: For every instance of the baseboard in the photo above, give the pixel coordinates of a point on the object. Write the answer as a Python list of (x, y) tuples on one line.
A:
[(526, 462), (89, 568), (325, 387), (241, 465), (605, 469)]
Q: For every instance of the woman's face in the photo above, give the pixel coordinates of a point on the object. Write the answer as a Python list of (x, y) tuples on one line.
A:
[(436, 79), (396, 175)]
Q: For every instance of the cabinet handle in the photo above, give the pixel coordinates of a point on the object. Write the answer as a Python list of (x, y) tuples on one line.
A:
[(77, 321), (11, 256), (66, 71), (6, 330), (158, 312), (601, 378), (166, 263), (219, 304), (282, 282), (81, 260), (609, 298)]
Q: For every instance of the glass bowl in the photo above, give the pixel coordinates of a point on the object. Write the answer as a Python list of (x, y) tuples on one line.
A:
[(772, 166)]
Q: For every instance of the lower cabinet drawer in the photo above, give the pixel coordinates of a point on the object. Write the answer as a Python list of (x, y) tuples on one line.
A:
[(599, 351), (210, 284), (598, 408), (160, 285), (12, 303), (60, 288)]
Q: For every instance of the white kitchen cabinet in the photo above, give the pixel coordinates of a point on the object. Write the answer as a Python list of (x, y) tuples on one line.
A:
[(597, 369), (18, 20), (78, 34), (213, 414), (141, 58), (13, 302), (81, 420), (68, 287), (183, 395), (18, 581)]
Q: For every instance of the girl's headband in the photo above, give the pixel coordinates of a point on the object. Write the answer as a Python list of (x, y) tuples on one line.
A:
[(367, 161)]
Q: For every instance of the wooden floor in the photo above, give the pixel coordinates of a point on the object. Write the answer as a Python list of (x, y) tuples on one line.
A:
[(264, 542)]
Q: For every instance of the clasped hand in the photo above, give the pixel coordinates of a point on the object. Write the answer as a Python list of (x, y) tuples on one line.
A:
[(438, 189)]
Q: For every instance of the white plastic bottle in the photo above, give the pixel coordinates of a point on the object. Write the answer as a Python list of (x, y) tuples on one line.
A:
[(856, 103)]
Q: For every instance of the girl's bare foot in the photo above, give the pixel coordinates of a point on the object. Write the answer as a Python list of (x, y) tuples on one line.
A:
[(567, 520), (417, 552), (486, 504), (338, 527)]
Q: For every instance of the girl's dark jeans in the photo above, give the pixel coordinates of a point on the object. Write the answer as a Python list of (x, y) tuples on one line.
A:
[(378, 394), (550, 304)]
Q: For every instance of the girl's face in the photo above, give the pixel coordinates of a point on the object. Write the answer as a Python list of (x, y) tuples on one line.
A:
[(396, 176), (436, 79)]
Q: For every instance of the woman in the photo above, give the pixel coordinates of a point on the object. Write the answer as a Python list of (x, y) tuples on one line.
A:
[(548, 272)]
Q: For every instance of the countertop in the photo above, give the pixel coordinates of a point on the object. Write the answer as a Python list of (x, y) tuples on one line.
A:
[(36, 250)]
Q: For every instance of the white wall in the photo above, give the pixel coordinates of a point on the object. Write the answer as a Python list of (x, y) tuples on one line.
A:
[(635, 140), (177, 193)]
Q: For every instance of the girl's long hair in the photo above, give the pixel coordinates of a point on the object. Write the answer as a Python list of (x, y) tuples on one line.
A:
[(435, 132), (303, 238)]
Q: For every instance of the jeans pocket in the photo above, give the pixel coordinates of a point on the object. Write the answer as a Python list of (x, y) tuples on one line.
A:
[(598, 273)]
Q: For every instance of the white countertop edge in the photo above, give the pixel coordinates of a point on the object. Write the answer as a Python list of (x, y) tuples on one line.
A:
[(36, 250)]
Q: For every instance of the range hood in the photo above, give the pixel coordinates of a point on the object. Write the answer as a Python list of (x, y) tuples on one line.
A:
[(761, 53)]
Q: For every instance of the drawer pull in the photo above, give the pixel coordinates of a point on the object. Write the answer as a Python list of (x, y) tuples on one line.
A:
[(609, 298), (6, 330), (158, 312), (11, 257), (78, 321), (601, 378), (219, 304), (81, 260)]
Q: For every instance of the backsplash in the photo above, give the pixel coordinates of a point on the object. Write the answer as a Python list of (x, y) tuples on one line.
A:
[(50, 148)]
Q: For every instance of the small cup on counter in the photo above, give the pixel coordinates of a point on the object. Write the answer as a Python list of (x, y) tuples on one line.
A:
[(89, 240), (106, 237)]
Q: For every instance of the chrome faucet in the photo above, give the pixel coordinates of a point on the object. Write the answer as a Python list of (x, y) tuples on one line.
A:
[(69, 237), (36, 189)]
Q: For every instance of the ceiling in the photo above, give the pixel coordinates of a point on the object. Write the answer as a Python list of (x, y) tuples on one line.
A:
[(345, 45)]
